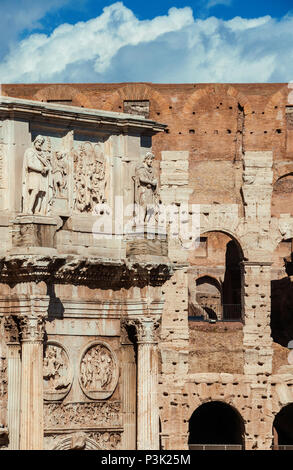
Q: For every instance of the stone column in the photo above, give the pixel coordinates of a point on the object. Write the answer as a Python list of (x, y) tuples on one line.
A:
[(258, 352), (147, 384), (14, 384), (31, 429), (128, 391), (256, 301)]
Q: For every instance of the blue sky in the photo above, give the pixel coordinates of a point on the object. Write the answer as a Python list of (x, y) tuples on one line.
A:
[(160, 41), (225, 9)]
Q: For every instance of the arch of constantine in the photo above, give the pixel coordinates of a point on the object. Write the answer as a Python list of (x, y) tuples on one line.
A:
[(119, 328)]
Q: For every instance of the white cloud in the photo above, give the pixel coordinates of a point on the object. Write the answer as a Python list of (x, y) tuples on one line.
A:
[(117, 46), (213, 3), (19, 15)]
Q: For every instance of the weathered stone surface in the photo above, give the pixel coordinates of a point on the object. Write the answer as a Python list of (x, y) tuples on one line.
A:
[(84, 307)]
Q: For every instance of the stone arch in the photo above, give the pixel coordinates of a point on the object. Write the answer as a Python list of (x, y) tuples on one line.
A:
[(208, 276), (216, 422), (282, 171), (282, 194), (214, 125), (140, 92), (282, 231), (66, 444), (205, 297), (61, 92), (229, 253), (274, 123), (283, 426), (217, 90), (280, 97), (214, 397), (228, 230)]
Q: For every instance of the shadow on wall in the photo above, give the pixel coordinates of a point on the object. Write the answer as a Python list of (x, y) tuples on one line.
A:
[(283, 427), (282, 310)]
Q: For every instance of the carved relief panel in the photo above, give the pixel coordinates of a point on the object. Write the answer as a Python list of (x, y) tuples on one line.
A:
[(1, 156), (81, 377), (82, 415), (90, 176), (63, 174), (57, 372), (3, 377), (84, 441), (47, 174), (4, 167), (98, 373)]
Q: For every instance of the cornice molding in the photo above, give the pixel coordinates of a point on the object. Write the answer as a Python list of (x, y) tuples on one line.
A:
[(77, 270)]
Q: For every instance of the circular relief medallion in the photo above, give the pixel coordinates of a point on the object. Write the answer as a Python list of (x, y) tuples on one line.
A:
[(57, 372), (98, 375)]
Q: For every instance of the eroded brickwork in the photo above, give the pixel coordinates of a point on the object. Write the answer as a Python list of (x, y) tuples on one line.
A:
[(226, 309)]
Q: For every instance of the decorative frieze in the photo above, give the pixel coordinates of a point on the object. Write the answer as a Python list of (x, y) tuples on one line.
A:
[(82, 271), (82, 415)]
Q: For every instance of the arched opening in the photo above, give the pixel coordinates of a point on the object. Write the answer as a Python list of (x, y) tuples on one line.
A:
[(216, 426), (282, 196), (232, 283), (208, 299), (215, 279), (282, 293), (283, 429)]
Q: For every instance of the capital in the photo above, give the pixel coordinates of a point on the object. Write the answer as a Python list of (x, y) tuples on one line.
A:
[(146, 329), (11, 330), (32, 328)]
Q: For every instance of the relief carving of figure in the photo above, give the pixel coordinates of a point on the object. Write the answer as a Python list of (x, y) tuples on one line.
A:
[(89, 168), (99, 183), (96, 368), (60, 174), (146, 187), (55, 369), (36, 169)]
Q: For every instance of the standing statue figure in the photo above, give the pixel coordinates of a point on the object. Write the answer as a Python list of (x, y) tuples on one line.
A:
[(35, 185), (146, 188)]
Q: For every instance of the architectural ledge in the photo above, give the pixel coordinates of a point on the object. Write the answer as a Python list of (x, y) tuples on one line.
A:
[(40, 110), (89, 271)]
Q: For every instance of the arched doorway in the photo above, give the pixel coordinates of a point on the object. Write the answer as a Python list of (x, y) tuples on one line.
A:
[(283, 429), (216, 426)]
